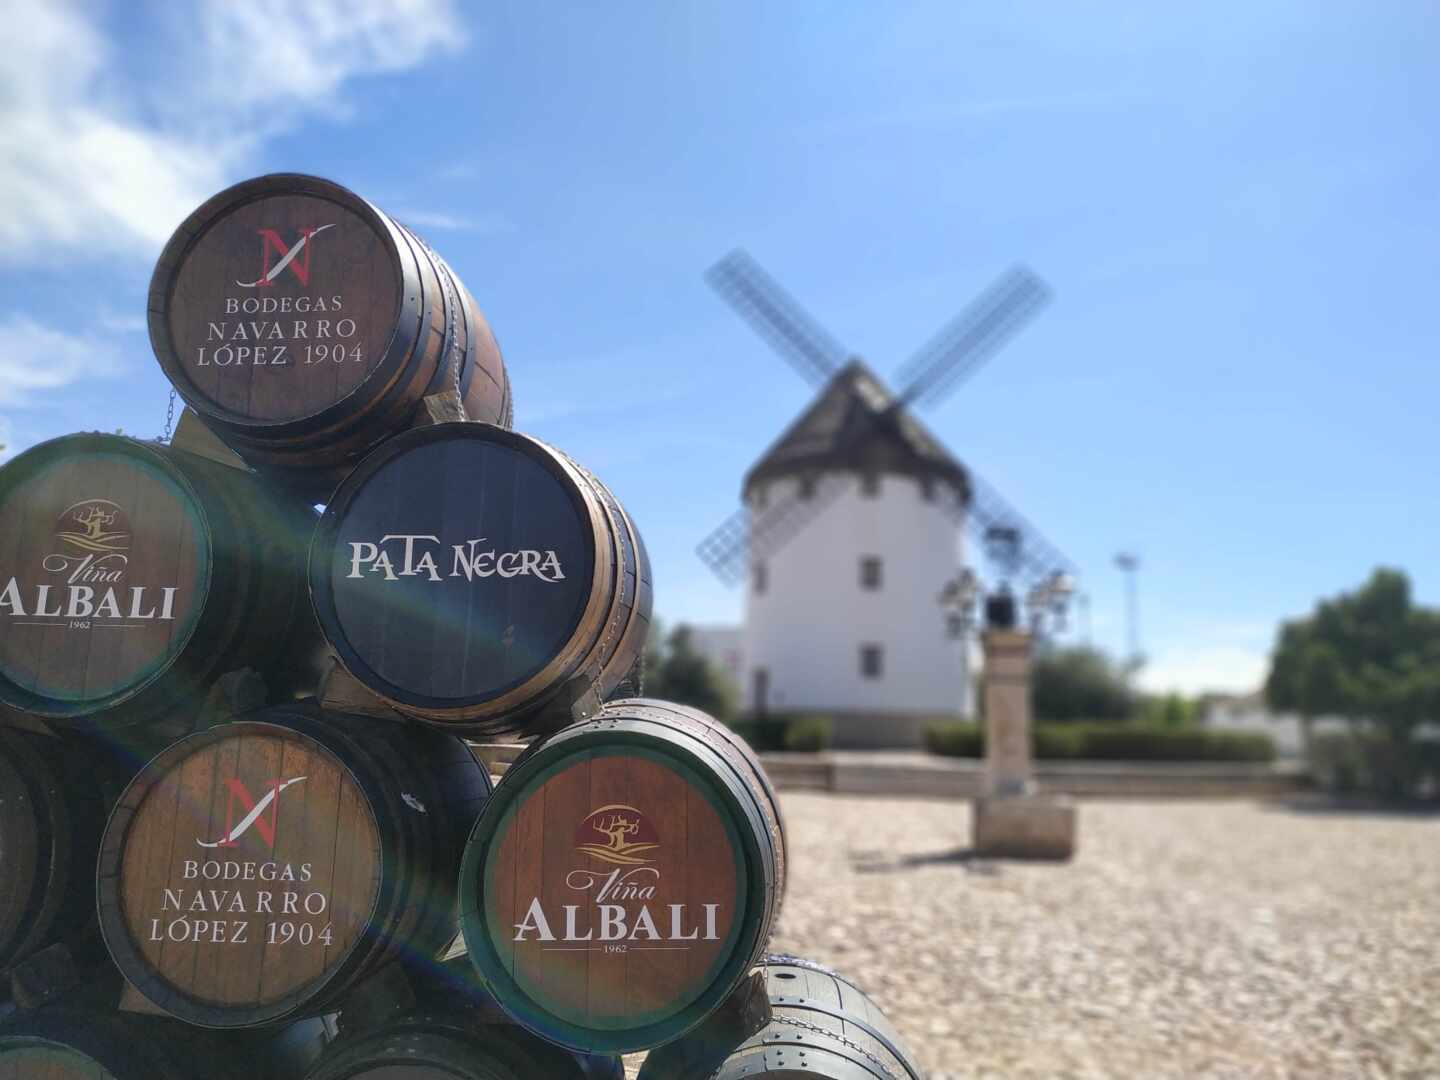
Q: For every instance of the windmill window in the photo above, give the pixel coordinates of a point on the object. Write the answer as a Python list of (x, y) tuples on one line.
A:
[(760, 497), (872, 661), (870, 576), (927, 488), (807, 487), (954, 626), (870, 485), (761, 575)]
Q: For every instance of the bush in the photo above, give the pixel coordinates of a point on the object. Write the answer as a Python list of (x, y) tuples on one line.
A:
[(762, 733), (1344, 763), (955, 740), (1113, 742), (809, 733)]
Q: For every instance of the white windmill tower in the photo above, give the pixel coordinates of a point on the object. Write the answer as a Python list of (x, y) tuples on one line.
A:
[(850, 524)]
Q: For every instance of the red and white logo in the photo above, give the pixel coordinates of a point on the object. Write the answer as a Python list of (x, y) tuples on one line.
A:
[(296, 257), (256, 813)]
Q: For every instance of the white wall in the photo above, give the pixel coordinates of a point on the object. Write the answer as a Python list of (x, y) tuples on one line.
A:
[(807, 627)]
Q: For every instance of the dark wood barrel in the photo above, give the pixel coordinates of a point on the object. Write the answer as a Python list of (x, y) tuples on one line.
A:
[(305, 325), (53, 799), (260, 869), (822, 1026), (448, 1043), (479, 579), (70, 1043), (623, 878), (132, 575)]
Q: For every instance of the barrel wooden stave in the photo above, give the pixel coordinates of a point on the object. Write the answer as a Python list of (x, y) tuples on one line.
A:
[(230, 552), (364, 849), (85, 1042), (411, 318), (822, 1025), (643, 764), (437, 1042), (430, 646), (53, 798)]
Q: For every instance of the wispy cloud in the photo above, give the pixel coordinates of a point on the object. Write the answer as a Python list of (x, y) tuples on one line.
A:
[(35, 358), (117, 323), (89, 166), (489, 224)]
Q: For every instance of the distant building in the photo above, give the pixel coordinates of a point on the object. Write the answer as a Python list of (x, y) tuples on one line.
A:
[(842, 617)]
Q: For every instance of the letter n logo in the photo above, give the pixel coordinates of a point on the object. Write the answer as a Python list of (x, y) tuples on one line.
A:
[(296, 257), (261, 815)]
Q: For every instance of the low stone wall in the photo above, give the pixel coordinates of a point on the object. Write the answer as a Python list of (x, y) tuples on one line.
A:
[(918, 774)]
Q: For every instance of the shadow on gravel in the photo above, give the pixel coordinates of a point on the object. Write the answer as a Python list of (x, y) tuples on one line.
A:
[(1334, 806), (882, 862)]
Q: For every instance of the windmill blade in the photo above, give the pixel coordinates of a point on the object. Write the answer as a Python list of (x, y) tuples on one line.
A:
[(972, 337), (776, 316), (988, 514), (745, 535)]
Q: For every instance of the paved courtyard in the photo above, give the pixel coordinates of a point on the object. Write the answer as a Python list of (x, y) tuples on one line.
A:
[(1196, 939)]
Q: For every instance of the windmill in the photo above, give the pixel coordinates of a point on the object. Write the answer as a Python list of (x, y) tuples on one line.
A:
[(856, 432)]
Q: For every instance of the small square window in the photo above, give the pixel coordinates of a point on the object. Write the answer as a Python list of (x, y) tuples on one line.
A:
[(870, 484), (870, 572), (807, 487), (954, 625), (760, 574), (872, 661), (927, 488)]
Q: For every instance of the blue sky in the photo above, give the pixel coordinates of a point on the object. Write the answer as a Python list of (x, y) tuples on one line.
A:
[(1236, 205)]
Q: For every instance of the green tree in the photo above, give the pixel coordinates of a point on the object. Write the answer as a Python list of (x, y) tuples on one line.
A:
[(1370, 655), (1079, 683), (676, 672)]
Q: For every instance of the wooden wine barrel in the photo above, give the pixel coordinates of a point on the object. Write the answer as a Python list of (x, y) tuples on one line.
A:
[(133, 574), (822, 1026), (623, 878), (441, 1044), (305, 325), (70, 1043), (260, 869), (479, 579), (53, 800)]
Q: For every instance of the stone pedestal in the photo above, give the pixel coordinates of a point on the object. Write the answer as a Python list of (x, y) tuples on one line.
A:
[(1010, 819), (1024, 827)]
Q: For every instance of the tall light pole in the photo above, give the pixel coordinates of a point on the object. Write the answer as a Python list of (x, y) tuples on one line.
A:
[(1129, 563)]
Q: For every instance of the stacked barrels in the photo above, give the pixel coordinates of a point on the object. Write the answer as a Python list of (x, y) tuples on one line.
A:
[(238, 670)]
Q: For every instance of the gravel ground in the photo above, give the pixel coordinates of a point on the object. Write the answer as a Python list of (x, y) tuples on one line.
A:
[(1216, 939)]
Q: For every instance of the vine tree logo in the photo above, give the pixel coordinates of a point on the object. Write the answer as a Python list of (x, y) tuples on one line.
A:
[(97, 526), (295, 257), (91, 556), (617, 834), (261, 815)]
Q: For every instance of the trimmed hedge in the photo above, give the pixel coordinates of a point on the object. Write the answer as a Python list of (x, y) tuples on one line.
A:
[(809, 733), (1113, 742)]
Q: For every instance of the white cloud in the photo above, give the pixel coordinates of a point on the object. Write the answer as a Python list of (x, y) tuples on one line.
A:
[(492, 224), (35, 358), (1205, 668), (82, 172)]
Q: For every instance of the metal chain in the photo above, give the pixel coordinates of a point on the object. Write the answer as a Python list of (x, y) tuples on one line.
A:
[(169, 418)]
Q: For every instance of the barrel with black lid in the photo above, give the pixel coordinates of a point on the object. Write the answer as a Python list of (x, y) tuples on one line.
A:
[(259, 870), (133, 574), (53, 799), (479, 579), (623, 878), (86, 1043), (304, 325), (821, 1026)]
